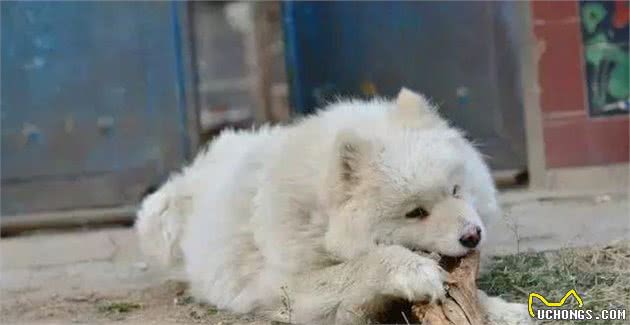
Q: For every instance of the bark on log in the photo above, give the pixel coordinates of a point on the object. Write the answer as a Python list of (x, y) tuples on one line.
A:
[(461, 306)]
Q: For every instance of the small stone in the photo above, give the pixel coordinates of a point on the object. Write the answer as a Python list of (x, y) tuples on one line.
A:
[(142, 266), (602, 199), (79, 298)]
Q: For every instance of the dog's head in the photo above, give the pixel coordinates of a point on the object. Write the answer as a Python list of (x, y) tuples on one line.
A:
[(408, 186)]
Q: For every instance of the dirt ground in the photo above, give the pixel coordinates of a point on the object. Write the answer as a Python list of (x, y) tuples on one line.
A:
[(166, 303), (98, 276), (94, 276), (599, 273)]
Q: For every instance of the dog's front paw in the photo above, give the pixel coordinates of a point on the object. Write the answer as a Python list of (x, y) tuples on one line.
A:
[(413, 277), (421, 279)]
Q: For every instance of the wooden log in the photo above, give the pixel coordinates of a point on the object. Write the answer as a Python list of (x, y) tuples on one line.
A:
[(461, 306)]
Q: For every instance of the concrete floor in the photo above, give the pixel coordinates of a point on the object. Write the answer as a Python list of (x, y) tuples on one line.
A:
[(108, 260)]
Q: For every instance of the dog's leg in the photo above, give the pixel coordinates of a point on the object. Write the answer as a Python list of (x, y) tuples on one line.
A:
[(349, 292), (501, 312)]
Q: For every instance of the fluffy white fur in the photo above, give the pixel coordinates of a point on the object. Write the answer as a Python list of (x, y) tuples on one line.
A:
[(315, 213)]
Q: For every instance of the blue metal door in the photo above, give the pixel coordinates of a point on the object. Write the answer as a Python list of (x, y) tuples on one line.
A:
[(94, 102), (464, 55)]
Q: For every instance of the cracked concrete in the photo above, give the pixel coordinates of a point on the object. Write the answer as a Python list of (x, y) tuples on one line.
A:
[(45, 251), (536, 221), (73, 262)]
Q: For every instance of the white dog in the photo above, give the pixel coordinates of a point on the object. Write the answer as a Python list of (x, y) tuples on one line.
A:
[(316, 222)]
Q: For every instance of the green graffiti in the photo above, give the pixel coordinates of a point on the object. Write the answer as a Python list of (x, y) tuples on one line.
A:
[(592, 15), (610, 69), (608, 61), (619, 83), (597, 48)]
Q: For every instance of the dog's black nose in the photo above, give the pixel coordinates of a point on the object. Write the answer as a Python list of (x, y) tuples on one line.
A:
[(471, 238)]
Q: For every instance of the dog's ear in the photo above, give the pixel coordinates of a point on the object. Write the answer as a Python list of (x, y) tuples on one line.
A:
[(415, 111), (351, 155), (412, 104)]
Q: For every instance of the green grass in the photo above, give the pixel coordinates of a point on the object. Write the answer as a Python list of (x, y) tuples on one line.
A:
[(601, 275)]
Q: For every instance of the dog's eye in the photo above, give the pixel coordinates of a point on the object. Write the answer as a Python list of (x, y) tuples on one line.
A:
[(456, 190), (418, 212)]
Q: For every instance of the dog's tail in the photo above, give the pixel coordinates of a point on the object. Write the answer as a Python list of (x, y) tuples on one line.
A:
[(161, 219)]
